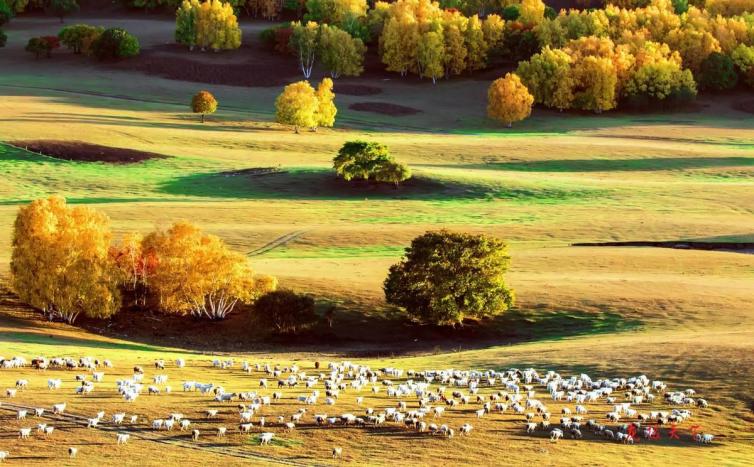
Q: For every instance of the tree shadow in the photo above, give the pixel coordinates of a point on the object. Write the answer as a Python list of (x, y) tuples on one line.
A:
[(620, 165)]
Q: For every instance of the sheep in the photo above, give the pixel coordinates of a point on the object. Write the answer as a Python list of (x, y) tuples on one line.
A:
[(92, 422), (134, 419), (245, 427), (53, 384), (556, 434), (337, 452), (24, 433), (289, 426), (72, 452), (704, 438), (41, 427), (123, 438), (195, 435), (185, 424), (180, 363), (168, 424), (530, 427), (118, 418), (221, 431), (465, 429), (58, 409), (10, 393), (101, 414), (39, 412), (48, 430), (211, 413), (22, 384), (480, 413), (4, 455), (157, 424), (21, 415), (265, 438)]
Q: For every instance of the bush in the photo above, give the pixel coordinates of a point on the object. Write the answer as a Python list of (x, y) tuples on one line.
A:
[(285, 311), (79, 37), (115, 43), (717, 72), (446, 277), (42, 45), (5, 13), (3, 38)]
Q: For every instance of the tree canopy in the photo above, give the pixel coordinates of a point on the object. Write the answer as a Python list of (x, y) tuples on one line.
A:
[(362, 160)]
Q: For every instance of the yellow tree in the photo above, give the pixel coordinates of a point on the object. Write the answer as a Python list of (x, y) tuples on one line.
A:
[(431, 55), (60, 262), (197, 274), (455, 51), (297, 105), (326, 109), (493, 28), (596, 84), (476, 45), (203, 103), (508, 100), (217, 26), (547, 75), (532, 12)]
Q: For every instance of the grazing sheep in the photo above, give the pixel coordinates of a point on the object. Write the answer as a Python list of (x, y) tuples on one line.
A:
[(134, 419), (211, 413), (92, 422), (245, 427), (465, 429), (118, 418), (21, 415), (123, 438), (22, 384), (221, 431), (4, 455), (704, 438), (195, 435), (72, 452), (556, 434), (48, 430), (58, 409), (39, 412), (180, 363), (24, 433), (10, 392), (337, 452), (265, 438), (530, 427), (185, 424), (289, 426)]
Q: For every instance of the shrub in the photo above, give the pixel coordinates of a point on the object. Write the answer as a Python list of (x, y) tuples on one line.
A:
[(78, 36), (5, 13), (115, 43), (717, 72), (447, 277), (285, 311), (203, 103), (42, 45), (3, 38)]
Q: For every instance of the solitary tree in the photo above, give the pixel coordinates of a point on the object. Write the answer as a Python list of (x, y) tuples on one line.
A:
[(298, 106), (203, 103), (360, 159), (508, 100), (446, 277), (60, 262)]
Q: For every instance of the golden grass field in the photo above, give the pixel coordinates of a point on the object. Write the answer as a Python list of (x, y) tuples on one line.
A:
[(683, 316)]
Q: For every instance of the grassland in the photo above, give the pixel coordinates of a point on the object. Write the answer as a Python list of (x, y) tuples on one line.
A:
[(683, 316)]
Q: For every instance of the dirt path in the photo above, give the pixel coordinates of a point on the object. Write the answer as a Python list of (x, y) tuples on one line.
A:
[(154, 437), (280, 241)]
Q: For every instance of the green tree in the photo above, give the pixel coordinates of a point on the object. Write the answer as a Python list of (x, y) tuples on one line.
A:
[(430, 55), (186, 18), (340, 53), (392, 172), (62, 8), (359, 160), (203, 103), (285, 311), (115, 43), (75, 36), (305, 42), (717, 72), (447, 277), (6, 13)]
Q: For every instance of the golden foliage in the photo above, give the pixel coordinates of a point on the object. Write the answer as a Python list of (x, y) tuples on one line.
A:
[(508, 100)]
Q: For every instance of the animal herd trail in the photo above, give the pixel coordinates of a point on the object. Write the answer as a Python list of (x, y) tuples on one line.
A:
[(280, 241), (232, 451)]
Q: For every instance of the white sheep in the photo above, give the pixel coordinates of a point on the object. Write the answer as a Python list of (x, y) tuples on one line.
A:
[(92, 422), (221, 431), (134, 419), (123, 438), (195, 435), (337, 452), (185, 424), (465, 429), (556, 434), (265, 438), (211, 413), (72, 452), (39, 412), (58, 409), (245, 427), (48, 430), (22, 384), (24, 433), (530, 427), (10, 392), (4, 455), (21, 415), (118, 418)]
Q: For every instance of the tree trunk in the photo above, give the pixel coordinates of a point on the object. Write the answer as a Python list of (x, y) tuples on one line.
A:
[(202, 118)]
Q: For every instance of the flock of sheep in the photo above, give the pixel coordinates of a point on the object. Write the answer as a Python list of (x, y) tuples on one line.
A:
[(421, 400)]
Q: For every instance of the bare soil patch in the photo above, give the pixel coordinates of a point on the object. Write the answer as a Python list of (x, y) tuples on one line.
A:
[(394, 110), (356, 89), (85, 152), (740, 247)]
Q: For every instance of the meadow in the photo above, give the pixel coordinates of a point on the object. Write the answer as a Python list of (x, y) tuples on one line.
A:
[(683, 316)]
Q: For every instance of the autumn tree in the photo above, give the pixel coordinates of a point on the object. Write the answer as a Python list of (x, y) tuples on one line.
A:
[(476, 45), (134, 267), (298, 106), (532, 12), (430, 55), (743, 57), (508, 100), (285, 311), (444, 278), (454, 58), (196, 274), (211, 24), (203, 103), (115, 43), (305, 42), (340, 53), (596, 81), (547, 75), (326, 109), (60, 262)]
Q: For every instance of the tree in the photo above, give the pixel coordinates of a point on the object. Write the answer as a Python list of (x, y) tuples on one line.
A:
[(532, 12), (60, 262), (717, 72), (197, 274), (596, 81), (547, 75), (62, 8), (115, 43), (217, 26), (74, 37), (508, 100), (42, 45), (335, 11), (326, 109), (444, 278), (203, 103), (392, 172), (430, 55), (360, 160), (476, 45), (455, 51), (340, 53), (285, 311), (493, 28), (6, 13), (186, 18), (305, 42), (297, 105), (3, 38), (743, 57)]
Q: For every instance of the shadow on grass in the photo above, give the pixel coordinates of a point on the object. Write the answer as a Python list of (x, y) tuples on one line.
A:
[(322, 184), (621, 165)]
